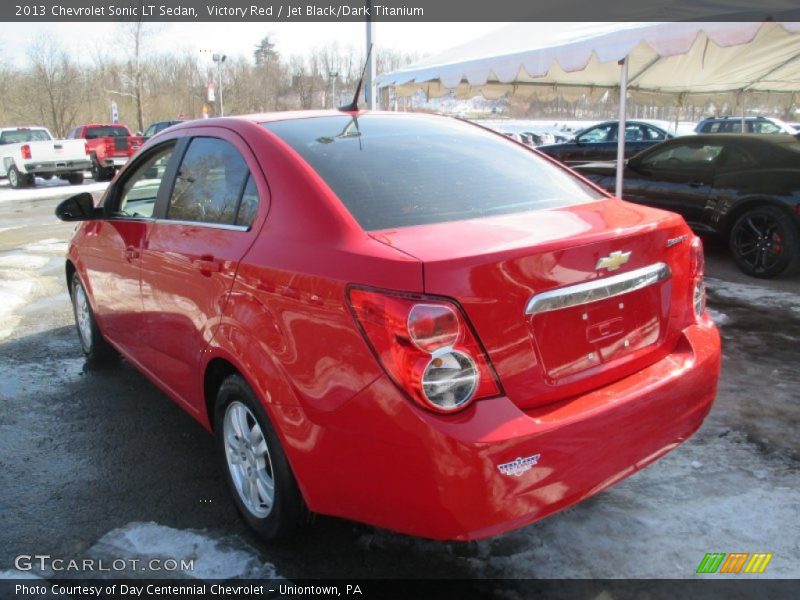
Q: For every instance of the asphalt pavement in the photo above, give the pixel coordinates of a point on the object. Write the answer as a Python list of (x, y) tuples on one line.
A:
[(99, 463)]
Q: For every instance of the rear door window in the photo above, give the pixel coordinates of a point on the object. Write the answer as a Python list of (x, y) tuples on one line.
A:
[(209, 183)]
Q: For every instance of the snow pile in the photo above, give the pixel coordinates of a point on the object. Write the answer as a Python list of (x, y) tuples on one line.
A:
[(214, 558)]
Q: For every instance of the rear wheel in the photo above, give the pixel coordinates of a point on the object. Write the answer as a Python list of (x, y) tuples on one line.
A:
[(94, 345), (765, 242), (19, 180), (75, 178), (102, 173), (261, 481)]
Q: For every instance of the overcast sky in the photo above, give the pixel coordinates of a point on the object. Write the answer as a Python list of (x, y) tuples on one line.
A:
[(84, 39)]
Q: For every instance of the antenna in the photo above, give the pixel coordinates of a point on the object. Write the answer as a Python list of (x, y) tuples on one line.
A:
[(353, 106)]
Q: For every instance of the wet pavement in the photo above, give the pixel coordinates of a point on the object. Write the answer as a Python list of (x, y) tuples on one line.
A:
[(97, 462)]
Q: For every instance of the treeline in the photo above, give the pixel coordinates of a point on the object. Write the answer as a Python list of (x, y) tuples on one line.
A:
[(57, 90)]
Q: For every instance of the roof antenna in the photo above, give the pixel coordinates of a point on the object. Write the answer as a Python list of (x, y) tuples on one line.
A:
[(353, 106)]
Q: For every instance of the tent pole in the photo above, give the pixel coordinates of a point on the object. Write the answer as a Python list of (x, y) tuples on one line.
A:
[(623, 94), (741, 100)]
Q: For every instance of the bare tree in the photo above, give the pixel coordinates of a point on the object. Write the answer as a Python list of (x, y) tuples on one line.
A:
[(54, 86)]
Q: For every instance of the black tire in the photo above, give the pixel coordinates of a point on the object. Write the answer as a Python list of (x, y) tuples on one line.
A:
[(102, 173), (765, 242), (93, 344), (75, 178), (287, 514), (17, 179), (47, 176)]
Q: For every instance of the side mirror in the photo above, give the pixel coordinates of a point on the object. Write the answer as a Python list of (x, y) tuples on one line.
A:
[(77, 208)]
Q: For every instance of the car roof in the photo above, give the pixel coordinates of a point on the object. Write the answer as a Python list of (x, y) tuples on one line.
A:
[(766, 138)]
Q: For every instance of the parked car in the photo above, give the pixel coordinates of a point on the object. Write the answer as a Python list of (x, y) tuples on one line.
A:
[(745, 188), (752, 125), (599, 142), (396, 318), (26, 152), (157, 127), (110, 146)]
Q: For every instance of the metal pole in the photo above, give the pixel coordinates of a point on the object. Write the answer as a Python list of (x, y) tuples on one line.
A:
[(623, 93), (219, 79), (741, 101), (370, 78)]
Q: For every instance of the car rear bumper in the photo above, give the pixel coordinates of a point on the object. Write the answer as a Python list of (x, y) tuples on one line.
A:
[(57, 166), (437, 477)]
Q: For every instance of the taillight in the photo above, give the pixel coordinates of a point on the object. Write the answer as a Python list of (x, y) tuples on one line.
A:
[(86, 148), (26, 151), (698, 282), (427, 347)]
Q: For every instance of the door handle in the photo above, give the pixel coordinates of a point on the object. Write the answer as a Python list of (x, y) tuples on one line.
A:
[(696, 184), (132, 253), (208, 264)]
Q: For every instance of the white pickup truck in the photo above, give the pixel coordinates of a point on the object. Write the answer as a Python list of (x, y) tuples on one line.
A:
[(26, 152)]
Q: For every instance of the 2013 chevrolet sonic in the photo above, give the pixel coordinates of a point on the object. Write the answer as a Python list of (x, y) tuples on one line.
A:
[(400, 319)]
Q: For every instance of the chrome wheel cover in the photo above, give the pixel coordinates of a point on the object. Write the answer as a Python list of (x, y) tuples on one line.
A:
[(248, 459), (83, 316)]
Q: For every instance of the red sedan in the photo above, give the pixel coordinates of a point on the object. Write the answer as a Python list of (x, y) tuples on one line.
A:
[(400, 319)]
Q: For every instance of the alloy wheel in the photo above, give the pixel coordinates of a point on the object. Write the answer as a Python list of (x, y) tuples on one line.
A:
[(248, 459)]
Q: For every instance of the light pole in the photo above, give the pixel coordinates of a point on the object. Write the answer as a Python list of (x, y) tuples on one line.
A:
[(332, 75), (219, 59)]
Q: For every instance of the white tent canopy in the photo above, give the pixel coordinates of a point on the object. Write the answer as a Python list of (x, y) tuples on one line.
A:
[(699, 60), (664, 58)]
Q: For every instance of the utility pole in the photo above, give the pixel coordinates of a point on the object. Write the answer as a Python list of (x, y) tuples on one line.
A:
[(332, 76), (219, 59)]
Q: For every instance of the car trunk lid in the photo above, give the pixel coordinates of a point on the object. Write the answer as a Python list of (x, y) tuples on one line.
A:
[(563, 300)]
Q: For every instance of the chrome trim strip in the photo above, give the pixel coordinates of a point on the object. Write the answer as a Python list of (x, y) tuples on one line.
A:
[(597, 289), (206, 224)]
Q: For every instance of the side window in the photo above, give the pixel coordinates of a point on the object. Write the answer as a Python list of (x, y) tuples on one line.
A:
[(601, 133), (683, 156), (734, 158), (633, 133), (151, 131), (766, 127), (651, 133), (209, 183), (249, 204), (137, 198)]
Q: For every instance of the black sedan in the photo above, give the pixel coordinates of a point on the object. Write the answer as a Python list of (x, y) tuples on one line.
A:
[(599, 142), (743, 187)]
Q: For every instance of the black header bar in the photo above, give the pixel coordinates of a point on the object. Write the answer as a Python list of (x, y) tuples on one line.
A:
[(397, 10)]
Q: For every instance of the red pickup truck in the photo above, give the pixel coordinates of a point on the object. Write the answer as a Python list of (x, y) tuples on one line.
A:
[(110, 146)]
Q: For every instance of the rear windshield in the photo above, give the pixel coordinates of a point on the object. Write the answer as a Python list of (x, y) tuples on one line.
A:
[(402, 170), (20, 136), (109, 131)]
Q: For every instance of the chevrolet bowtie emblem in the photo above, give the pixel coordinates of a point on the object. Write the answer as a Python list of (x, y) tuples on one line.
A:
[(613, 261)]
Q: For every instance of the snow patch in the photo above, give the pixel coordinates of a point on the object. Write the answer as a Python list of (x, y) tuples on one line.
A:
[(49, 245), (47, 189), (23, 261), (757, 295), (214, 557)]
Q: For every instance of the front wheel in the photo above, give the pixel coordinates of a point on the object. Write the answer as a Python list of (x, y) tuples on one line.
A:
[(765, 242), (259, 476), (94, 345)]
